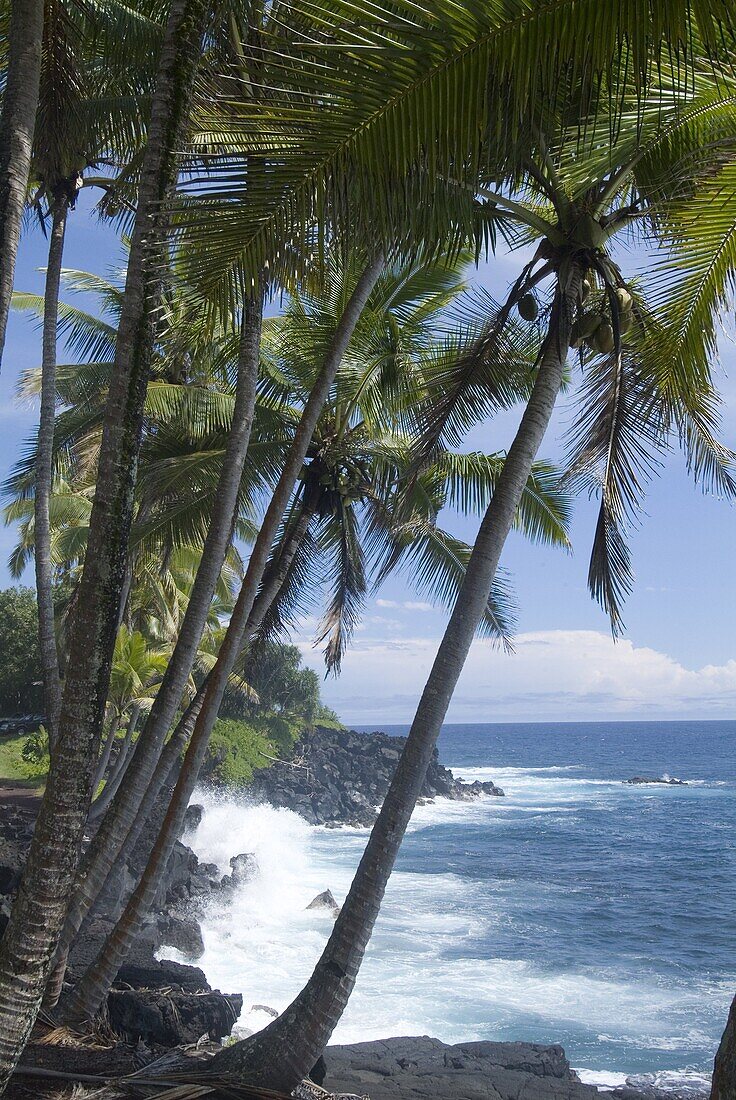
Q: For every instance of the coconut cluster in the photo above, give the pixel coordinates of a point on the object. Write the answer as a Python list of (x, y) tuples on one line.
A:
[(593, 327)]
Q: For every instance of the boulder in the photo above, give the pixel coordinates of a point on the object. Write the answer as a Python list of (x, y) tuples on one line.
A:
[(413, 1068), (146, 972), (170, 1018), (325, 900), (193, 817), (181, 933), (244, 869)]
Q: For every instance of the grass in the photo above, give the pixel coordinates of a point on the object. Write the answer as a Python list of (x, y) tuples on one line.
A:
[(12, 766)]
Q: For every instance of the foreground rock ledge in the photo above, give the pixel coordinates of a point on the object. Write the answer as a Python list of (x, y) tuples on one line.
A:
[(419, 1067)]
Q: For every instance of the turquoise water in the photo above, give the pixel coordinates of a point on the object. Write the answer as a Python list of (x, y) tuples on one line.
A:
[(576, 910)]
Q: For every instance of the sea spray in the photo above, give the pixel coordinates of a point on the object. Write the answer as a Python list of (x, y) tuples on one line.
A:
[(562, 913)]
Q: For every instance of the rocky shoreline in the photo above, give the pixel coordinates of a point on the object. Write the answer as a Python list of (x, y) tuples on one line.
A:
[(340, 777), (335, 777)]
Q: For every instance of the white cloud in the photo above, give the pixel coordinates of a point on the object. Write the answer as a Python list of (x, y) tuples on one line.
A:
[(560, 675), (406, 605)]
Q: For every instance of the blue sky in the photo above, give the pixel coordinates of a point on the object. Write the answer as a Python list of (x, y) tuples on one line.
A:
[(678, 656)]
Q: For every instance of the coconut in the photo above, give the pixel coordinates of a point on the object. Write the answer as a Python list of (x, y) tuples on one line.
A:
[(625, 301), (585, 290), (603, 341), (625, 321), (528, 307)]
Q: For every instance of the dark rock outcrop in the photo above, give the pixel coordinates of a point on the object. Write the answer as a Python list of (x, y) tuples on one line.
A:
[(325, 900), (342, 777), (638, 780), (170, 1018), (410, 1068), (244, 869), (193, 816), (182, 933)]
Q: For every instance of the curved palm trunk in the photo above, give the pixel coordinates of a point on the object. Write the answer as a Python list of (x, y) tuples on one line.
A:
[(126, 802), (45, 473), (88, 999), (112, 783), (28, 945), (283, 1053), (111, 836), (17, 124), (105, 755), (95, 984)]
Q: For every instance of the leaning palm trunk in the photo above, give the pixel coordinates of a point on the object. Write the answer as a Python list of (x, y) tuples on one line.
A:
[(125, 805), (106, 753), (95, 984), (17, 124), (114, 779), (112, 837), (31, 936), (282, 1054), (45, 474), (89, 999)]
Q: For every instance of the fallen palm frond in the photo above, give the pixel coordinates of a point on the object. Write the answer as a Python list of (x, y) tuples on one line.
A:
[(182, 1085)]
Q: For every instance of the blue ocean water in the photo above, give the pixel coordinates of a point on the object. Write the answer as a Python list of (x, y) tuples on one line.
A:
[(577, 909)]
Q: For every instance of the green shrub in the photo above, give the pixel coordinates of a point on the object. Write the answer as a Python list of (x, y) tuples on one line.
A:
[(35, 759), (236, 750)]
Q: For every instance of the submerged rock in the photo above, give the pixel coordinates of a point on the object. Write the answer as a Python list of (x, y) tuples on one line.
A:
[(636, 780), (418, 1067)]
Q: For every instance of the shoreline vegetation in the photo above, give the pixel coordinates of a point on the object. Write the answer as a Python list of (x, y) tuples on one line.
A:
[(259, 407)]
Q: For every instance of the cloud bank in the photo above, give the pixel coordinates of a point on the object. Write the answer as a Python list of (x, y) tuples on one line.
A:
[(556, 676)]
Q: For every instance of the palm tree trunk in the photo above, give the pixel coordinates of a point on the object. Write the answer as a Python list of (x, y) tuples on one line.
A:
[(167, 763), (30, 938), (95, 984), (106, 846), (86, 1000), (283, 1053), (17, 124), (106, 753), (125, 806), (45, 474), (103, 800)]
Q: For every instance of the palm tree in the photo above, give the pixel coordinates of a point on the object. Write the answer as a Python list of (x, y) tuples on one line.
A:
[(446, 53), (74, 130), (573, 206), (35, 923), (340, 476), (17, 121)]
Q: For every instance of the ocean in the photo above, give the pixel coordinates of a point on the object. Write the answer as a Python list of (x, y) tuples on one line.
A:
[(577, 910)]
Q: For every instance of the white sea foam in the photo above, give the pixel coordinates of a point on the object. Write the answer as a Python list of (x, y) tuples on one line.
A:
[(602, 1078), (422, 973)]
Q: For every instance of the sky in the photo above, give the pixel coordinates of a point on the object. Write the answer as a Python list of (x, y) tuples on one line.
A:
[(677, 659)]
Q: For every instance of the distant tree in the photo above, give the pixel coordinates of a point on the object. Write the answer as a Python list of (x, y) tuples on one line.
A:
[(281, 684), (20, 668)]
